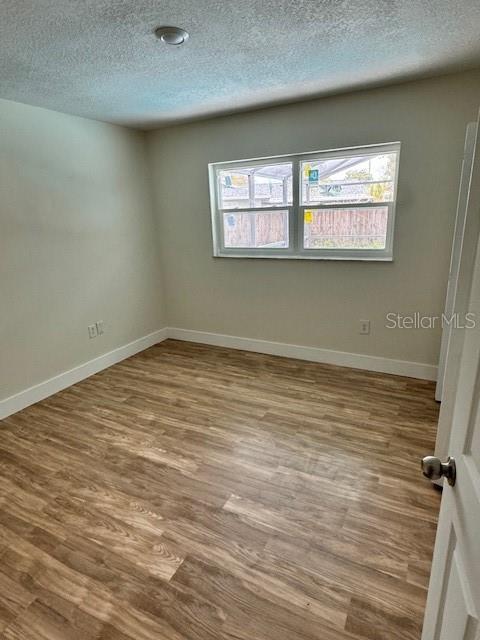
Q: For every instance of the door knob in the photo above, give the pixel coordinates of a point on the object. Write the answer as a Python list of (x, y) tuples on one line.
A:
[(433, 469)]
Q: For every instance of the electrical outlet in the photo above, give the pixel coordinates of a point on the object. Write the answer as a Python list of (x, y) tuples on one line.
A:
[(364, 329), (92, 331), (100, 327)]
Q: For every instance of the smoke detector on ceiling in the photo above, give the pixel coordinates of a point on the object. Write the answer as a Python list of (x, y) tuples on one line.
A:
[(171, 35)]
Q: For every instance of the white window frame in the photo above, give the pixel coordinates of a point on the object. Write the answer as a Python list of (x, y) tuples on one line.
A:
[(296, 211)]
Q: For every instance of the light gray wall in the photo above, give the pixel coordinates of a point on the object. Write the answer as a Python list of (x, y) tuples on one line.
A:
[(319, 303), (77, 243)]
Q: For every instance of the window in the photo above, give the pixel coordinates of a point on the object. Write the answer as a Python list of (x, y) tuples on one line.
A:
[(329, 204)]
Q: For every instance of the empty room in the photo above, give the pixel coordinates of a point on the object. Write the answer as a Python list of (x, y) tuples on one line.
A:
[(239, 320)]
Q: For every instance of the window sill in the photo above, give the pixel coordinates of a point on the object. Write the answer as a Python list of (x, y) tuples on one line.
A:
[(257, 256)]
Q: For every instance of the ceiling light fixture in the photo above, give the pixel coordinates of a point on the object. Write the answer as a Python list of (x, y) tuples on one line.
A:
[(171, 35)]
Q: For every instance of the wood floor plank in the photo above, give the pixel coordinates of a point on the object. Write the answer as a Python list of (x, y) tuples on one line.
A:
[(200, 493)]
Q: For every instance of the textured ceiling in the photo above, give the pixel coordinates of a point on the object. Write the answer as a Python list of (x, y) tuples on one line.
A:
[(100, 59)]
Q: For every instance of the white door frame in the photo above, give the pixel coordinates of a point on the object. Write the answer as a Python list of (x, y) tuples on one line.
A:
[(457, 247), (467, 229)]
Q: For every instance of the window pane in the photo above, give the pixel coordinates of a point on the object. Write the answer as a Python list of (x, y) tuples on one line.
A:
[(256, 229), (364, 228), (234, 189), (362, 178), (257, 186)]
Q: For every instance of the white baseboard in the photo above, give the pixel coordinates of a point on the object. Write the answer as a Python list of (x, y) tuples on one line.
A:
[(327, 356), (313, 354), (66, 379)]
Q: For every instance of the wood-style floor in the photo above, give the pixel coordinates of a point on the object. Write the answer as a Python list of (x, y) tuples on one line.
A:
[(199, 493)]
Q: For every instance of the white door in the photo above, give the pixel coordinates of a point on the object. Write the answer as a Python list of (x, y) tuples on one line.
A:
[(466, 228), (453, 605)]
